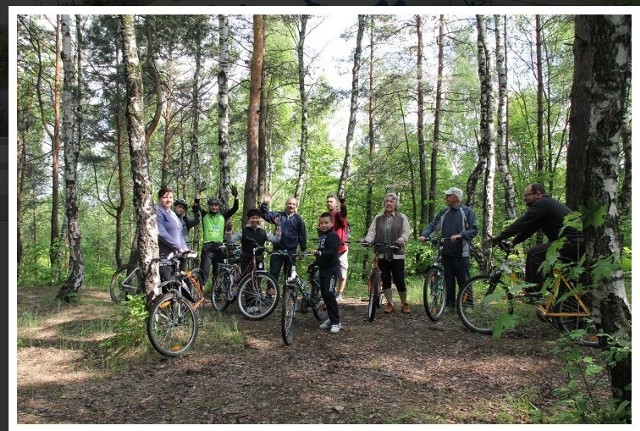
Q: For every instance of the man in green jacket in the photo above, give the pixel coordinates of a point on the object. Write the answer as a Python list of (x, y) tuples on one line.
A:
[(213, 229)]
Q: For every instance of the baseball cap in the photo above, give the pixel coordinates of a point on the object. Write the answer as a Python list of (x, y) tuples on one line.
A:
[(454, 191)]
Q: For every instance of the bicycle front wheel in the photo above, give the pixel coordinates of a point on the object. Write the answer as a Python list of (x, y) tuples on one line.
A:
[(126, 281), (257, 295), (481, 302), (172, 325), (288, 315), (575, 315), (375, 296), (317, 301), (220, 291), (434, 294)]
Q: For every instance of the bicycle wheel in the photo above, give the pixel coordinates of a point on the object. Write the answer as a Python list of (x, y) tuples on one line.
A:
[(288, 314), (480, 303), (375, 296), (220, 291), (577, 308), (319, 307), (172, 325), (127, 280), (257, 295), (434, 294)]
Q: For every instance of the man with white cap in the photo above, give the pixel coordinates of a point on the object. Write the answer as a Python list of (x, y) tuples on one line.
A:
[(457, 224)]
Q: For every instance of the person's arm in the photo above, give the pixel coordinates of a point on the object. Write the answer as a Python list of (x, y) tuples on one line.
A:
[(196, 219), (302, 234), (371, 233), (165, 237), (523, 227), (274, 238), (433, 226), (472, 228), (267, 215), (330, 250), (343, 208), (233, 237), (406, 230)]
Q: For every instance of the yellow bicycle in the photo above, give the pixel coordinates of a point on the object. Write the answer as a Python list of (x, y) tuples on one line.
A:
[(486, 298)]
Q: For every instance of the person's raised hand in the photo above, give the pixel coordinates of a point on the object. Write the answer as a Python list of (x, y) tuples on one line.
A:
[(234, 191)]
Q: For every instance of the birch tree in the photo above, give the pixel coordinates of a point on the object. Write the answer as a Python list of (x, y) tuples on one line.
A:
[(71, 107), (147, 238), (602, 78), (353, 108), (422, 152), (302, 34)]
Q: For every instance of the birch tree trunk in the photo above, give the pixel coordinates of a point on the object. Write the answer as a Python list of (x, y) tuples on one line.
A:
[(437, 120), (353, 108), (71, 106), (302, 34), (257, 60), (603, 47), (501, 141), (487, 133), (223, 104), (422, 153), (539, 99), (142, 198)]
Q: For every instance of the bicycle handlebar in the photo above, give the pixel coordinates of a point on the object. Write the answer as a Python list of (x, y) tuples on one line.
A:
[(379, 244)]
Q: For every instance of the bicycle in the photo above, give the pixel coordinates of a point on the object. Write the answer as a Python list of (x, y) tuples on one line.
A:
[(487, 297), (255, 291), (434, 290), (298, 296), (172, 324), (125, 282), (375, 277)]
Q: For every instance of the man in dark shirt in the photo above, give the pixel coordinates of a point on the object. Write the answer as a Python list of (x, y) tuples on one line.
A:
[(545, 214)]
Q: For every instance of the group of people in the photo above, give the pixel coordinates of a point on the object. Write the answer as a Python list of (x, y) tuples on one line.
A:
[(456, 223)]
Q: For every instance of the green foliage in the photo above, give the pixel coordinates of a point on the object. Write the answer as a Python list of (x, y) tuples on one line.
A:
[(130, 330), (577, 402)]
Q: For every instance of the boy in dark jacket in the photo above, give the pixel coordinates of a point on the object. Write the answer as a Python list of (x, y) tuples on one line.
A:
[(328, 269)]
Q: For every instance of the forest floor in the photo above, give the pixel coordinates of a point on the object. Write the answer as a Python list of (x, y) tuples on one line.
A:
[(398, 369)]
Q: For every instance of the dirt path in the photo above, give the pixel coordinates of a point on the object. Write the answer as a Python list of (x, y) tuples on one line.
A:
[(398, 369)]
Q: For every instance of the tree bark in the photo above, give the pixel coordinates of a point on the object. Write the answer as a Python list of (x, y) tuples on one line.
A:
[(602, 76), (422, 152), (223, 104), (437, 121), (302, 34), (353, 108), (147, 237), (70, 119), (253, 113), (501, 139), (540, 99)]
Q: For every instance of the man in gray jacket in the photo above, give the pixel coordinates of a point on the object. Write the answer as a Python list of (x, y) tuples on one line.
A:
[(458, 226)]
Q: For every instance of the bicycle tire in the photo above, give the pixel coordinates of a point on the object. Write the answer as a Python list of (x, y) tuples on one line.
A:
[(375, 294), (257, 295), (118, 290), (288, 314), (434, 294), (317, 301), (567, 324), (481, 302), (172, 325), (220, 291)]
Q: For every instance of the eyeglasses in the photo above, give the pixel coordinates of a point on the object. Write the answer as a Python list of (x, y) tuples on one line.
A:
[(530, 193)]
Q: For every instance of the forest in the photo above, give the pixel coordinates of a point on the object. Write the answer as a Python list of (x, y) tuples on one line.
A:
[(110, 108)]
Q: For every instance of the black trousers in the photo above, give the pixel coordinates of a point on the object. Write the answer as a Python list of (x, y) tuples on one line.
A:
[(392, 269), (328, 279), (211, 256), (570, 252), (455, 269)]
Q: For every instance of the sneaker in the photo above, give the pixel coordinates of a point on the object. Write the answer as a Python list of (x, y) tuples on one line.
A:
[(339, 297), (271, 291), (405, 309), (336, 328), (388, 308), (325, 325), (253, 310)]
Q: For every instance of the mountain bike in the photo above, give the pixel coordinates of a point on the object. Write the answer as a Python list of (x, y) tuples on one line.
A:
[(298, 296), (125, 282), (172, 324), (255, 291), (434, 290), (485, 298), (375, 277)]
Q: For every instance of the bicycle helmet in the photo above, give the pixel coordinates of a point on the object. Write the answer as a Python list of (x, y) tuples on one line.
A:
[(180, 202), (214, 201)]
